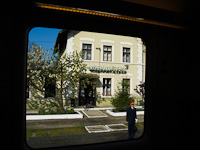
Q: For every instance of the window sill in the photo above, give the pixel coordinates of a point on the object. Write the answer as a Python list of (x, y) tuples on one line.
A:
[(106, 96)]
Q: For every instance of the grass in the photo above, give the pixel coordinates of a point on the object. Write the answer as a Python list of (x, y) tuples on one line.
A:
[(55, 132), (139, 125), (64, 131)]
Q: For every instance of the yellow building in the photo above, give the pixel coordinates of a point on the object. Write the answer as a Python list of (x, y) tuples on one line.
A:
[(112, 60)]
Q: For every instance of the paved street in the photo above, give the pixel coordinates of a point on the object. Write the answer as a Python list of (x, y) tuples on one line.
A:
[(69, 140), (64, 123)]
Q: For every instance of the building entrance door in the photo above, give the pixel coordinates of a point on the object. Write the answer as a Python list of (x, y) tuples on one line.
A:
[(87, 96)]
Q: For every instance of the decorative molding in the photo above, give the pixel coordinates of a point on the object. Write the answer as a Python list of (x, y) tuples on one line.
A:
[(126, 43), (87, 39), (107, 41)]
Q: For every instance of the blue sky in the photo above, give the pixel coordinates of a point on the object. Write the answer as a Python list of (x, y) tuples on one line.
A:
[(43, 36)]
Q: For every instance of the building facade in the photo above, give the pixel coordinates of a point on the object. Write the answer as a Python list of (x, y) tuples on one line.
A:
[(114, 61)]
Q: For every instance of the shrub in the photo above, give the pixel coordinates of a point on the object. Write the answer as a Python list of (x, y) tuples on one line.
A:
[(114, 110), (121, 100), (70, 111), (41, 112), (58, 111), (50, 111)]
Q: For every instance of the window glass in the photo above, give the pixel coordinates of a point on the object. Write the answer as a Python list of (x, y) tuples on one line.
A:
[(126, 85), (126, 54), (107, 53), (73, 84), (87, 51), (107, 87)]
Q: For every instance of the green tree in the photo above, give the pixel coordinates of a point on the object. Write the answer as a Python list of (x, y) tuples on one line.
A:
[(121, 99)]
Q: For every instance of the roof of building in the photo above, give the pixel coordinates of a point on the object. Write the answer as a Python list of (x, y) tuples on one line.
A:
[(61, 41)]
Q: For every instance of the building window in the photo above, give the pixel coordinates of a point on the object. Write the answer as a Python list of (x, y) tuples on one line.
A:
[(126, 54), (107, 53), (87, 49), (126, 85), (50, 87), (107, 87)]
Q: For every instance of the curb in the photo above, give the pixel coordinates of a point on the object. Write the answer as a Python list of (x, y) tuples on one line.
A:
[(58, 116), (103, 115), (105, 128), (115, 114)]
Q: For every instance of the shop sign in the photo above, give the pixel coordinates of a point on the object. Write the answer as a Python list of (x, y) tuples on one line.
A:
[(103, 69)]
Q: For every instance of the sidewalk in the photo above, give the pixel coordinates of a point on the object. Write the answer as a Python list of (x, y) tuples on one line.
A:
[(90, 138), (64, 123)]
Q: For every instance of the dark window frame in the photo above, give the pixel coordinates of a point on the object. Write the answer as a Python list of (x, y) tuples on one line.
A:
[(126, 85), (106, 86), (107, 52), (126, 54), (87, 50)]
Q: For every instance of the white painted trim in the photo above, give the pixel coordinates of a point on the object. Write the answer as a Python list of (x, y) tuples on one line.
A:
[(122, 113), (57, 116), (104, 115), (139, 56), (126, 43), (112, 84), (107, 41), (106, 129), (100, 108), (140, 112), (108, 126), (87, 39), (131, 82), (116, 113), (126, 75)]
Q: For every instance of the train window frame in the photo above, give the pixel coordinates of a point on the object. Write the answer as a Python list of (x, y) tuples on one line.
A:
[(154, 34), (112, 78)]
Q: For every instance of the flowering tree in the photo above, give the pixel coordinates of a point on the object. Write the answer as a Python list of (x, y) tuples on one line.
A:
[(67, 70), (38, 66), (140, 89)]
